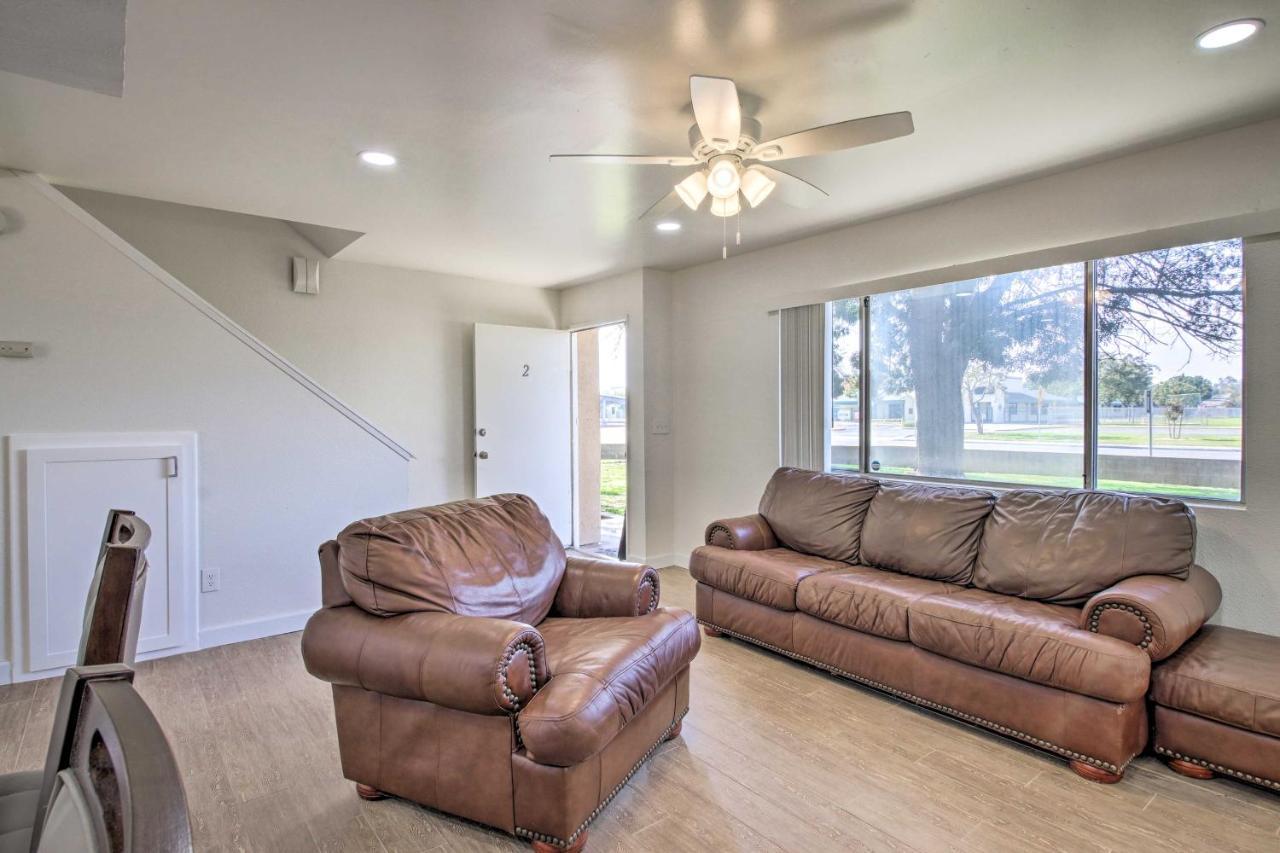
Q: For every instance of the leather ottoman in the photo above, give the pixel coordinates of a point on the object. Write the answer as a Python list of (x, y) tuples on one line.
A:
[(1218, 706)]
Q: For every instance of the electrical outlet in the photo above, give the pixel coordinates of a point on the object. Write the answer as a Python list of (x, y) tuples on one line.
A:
[(210, 580)]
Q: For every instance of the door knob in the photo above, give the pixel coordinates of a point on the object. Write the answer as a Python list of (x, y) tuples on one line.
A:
[(483, 454)]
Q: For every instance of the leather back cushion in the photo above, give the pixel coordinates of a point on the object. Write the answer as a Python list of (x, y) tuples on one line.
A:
[(816, 513), (924, 530), (495, 556), (1065, 546)]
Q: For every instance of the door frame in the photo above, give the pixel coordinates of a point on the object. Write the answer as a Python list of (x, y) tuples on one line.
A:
[(625, 322), (183, 532)]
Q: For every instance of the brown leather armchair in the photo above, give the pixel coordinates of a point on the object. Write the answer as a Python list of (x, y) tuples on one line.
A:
[(479, 670)]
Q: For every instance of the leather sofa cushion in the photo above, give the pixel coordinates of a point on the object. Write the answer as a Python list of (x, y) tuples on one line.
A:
[(1066, 546), (1031, 640), (817, 513), (495, 556), (873, 601), (604, 671), (769, 577), (1225, 674), (924, 530)]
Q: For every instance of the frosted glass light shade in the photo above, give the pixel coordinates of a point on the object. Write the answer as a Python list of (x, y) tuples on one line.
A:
[(726, 206), (693, 189), (756, 186)]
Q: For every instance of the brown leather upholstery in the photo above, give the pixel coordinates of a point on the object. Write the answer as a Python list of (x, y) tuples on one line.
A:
[(471, 663), (494, 556), (908, 618), (1227, 675), (745, 533), (1066, 546), (927, 531), (1218, 705), (451, 686), (1029, 639), (769, 577), (867, 599), (817, 513), (1155, 612), (606, 588), (605, 671)]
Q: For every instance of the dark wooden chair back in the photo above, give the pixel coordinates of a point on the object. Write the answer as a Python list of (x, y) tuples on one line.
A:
[(113, 612), (111, 784)]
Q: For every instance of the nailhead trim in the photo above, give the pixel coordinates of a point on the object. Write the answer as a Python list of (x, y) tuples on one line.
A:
[(1218, 768), (649, 580), (720, 528), (561, 842), (946, 709), (526, 646), (1096, 613)]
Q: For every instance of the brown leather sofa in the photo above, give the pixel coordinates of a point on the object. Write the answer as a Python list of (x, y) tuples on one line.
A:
[(1032, 613), (478, 670)]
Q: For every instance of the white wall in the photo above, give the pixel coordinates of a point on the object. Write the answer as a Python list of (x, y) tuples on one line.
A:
[(117, 350), (725, 341), (395, 345), (642, 298)]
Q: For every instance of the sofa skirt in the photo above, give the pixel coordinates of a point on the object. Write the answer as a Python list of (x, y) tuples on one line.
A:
[(1081, 728)]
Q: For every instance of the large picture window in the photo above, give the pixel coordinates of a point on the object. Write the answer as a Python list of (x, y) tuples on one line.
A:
[(1122, 373)]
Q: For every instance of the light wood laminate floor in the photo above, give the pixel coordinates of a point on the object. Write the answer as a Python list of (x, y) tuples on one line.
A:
[(774, 756)]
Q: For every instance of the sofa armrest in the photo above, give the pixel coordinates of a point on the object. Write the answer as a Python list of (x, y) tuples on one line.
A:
[(606, 588), (469, 663), (1157, 612), (745, 533)]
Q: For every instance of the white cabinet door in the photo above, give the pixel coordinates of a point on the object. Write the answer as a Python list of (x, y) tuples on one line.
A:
[(68, 489), (523, 434)]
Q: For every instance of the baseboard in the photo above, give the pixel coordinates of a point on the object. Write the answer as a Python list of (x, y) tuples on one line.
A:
[(6, 672), (663, 560), (254, 629)]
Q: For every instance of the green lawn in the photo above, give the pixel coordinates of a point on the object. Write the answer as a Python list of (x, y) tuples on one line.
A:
[(1179, 491), (613, 486), (1109, 434)]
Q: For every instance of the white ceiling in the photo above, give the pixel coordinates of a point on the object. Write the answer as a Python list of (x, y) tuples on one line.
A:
[(260, 106)]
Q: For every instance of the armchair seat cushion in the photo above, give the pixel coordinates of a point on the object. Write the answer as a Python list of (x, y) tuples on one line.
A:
[(604, 672), (19, 796), (870, 600), (1031, 640), (768, 577)]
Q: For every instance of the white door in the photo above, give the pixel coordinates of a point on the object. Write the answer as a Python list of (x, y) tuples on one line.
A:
[(523, 437), (69, 485)]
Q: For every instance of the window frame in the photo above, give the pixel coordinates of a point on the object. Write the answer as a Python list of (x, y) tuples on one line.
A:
[(1089, 462)]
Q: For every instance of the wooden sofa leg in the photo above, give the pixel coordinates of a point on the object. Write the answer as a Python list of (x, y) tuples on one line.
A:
[(546, 847), (368, 792), (675, 732), (1187, 768), (1096, 774), (712, 632)]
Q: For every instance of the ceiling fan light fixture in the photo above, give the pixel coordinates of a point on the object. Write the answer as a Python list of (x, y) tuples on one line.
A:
[(693, 189), (723, 179), (725, 207), (756, 186)]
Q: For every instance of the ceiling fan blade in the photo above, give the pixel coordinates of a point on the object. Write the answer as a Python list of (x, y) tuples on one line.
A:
[(835, 137), (629, 159), (717, 111), (669, 203), (792, 189)]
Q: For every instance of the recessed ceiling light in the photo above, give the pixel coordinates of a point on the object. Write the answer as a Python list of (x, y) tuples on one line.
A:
[(668, 226), (1232, 32), (377, 158)]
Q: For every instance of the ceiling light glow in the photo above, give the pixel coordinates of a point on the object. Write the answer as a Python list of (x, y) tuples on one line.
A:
[(723, 180), (1232, 32), (668, 226), (377, 158)]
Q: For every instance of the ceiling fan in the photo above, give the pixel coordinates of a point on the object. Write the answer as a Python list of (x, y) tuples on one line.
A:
[(730, 155)]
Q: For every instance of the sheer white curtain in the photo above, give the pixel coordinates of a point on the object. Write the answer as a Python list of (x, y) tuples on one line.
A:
[(804, 374)]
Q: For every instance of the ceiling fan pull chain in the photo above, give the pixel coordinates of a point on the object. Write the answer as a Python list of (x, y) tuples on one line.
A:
[(724, 238), (737, 227)]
